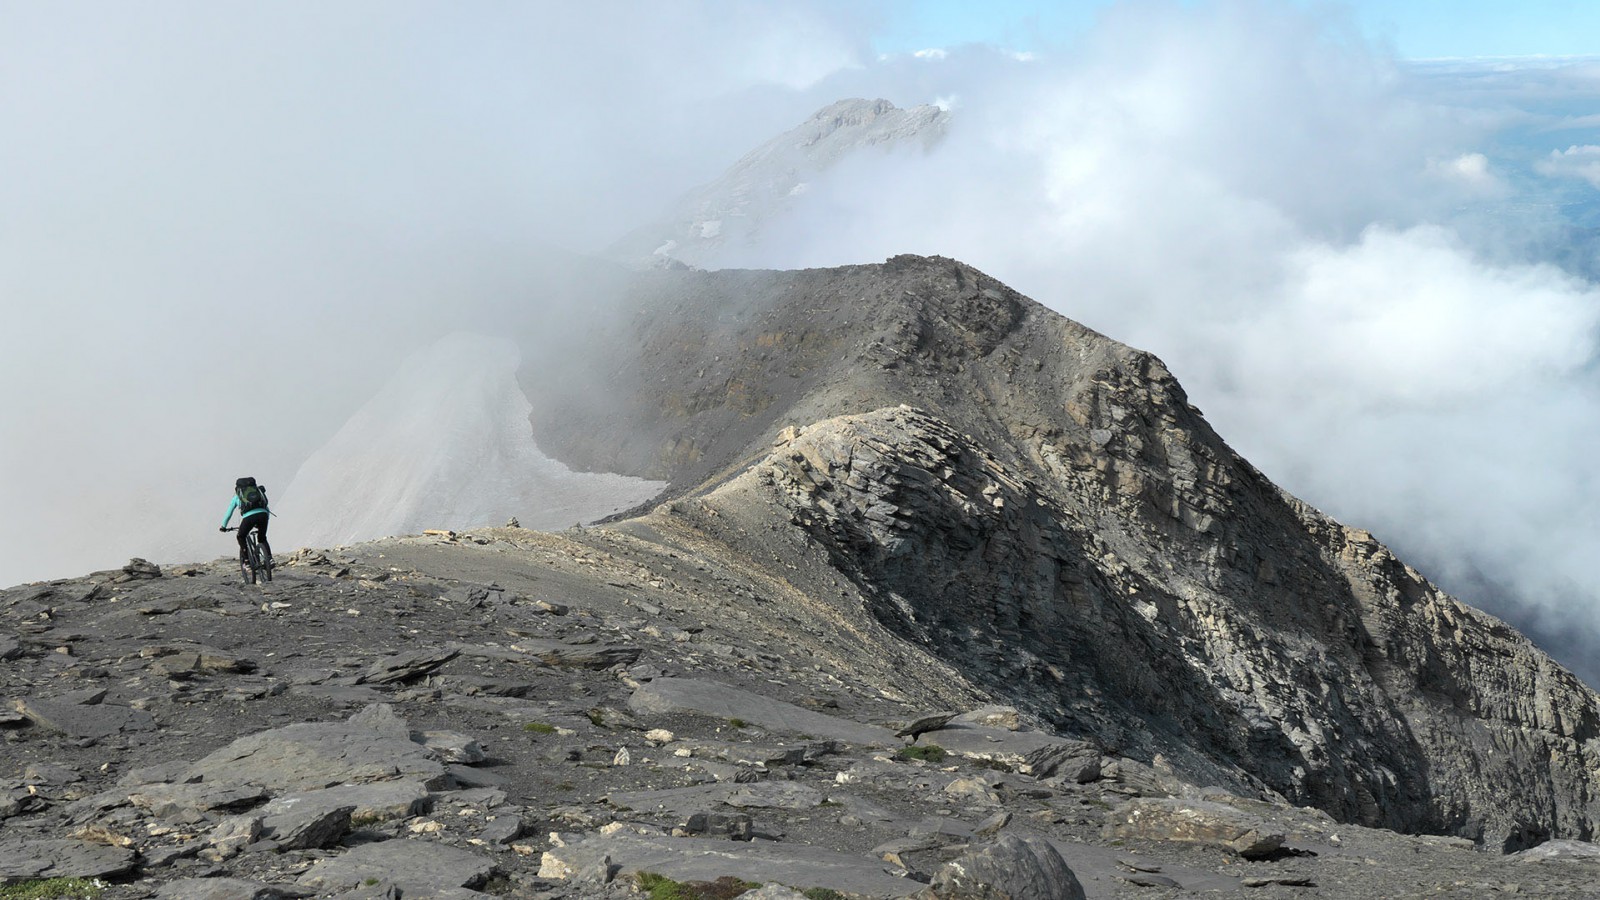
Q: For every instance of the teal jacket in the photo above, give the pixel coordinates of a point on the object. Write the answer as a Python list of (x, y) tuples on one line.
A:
[(234, 505)]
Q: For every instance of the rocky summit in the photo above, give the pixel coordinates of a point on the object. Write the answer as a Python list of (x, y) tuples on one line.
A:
[(947, 597)]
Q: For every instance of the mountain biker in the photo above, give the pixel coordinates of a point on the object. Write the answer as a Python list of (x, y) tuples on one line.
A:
[(250, 499)]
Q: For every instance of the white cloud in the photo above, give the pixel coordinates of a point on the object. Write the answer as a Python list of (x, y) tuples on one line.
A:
[(1469, 169), (1574, 162)]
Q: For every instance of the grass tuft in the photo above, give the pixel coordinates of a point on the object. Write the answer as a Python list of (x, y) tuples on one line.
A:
[(928, 753), (47, 888), (539, 728), (660, 887)]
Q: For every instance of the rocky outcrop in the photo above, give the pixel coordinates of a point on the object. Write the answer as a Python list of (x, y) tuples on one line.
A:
[(1043, 509)]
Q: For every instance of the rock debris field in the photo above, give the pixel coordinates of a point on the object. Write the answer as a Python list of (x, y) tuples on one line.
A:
[(522, 714)]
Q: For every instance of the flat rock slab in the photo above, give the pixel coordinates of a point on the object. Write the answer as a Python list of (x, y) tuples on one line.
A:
[(1195, 822), (1028, 752), (176, 800), (310, 756), (700, 797), (84, 720), (376, 801), (710, 698), (228, 889), (581, 656), (418, 868), (63, 859), (694, 859), (404, 667)]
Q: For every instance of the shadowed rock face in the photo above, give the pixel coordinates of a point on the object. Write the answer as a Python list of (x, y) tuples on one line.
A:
[(1050, 516)]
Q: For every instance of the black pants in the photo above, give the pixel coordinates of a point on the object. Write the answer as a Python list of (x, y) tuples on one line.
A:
[(259, 523)]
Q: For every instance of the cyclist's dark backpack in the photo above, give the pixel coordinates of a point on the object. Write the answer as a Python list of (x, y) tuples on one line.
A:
[(251, 495)]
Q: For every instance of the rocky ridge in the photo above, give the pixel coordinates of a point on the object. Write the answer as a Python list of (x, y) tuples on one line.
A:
[(1054, 519)]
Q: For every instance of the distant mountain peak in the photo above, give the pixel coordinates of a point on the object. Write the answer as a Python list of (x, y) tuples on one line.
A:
[(731, 211)]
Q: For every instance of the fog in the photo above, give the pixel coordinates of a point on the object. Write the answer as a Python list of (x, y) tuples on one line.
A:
[(224, 225)]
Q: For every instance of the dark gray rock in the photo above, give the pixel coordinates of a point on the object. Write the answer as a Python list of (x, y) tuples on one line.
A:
[(1196, 822), (589, 656), (1007, 868), (735, 826), (418, 868), (451, 746), (307, 828), (228, 889), (84, 720), (696, 859), (924, 725), (24, 859), (675, 695), (374, 802), (368, 747), (403, 668), (502, 830), (189, 801)]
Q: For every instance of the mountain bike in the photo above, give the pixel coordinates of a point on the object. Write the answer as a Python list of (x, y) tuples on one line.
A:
[(257, 559)]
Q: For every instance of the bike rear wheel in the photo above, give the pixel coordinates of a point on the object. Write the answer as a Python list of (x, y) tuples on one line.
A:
[(246, 569)]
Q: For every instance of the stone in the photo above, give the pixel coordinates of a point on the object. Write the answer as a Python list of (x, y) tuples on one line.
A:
[(1197, 822), (141, 568), (588, 656), (228, 889), (84, 720), (403, 668), (1560, 849), (307, 828), (191, 800), (501, 830), (1072, 761), (49, 773), (696, 859), (166, 606), (1007, 868), (735, 826), (25, 859), (924, 725), (665, 696), (451, 746), (991, 826), (1006, 718), (308, 756), (374, 802), (416, 867), (230, 836)]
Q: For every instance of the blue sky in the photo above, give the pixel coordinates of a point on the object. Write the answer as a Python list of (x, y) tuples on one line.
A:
[(1415, 29)]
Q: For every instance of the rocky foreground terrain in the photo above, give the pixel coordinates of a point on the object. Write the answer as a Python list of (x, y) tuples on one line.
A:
[(947, 597), (546, 715)]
